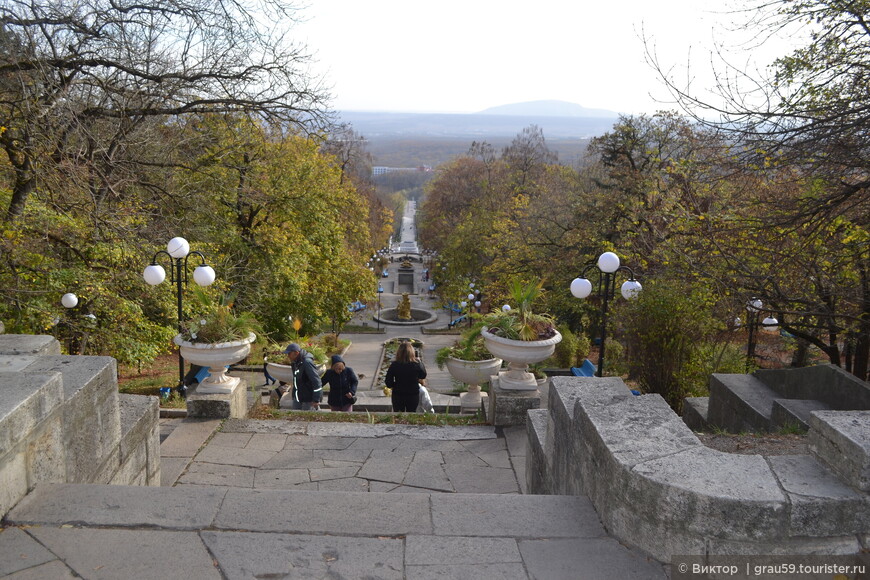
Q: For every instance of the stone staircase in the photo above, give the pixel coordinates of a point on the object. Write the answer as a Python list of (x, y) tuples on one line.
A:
[(769, 400), (63, 421)]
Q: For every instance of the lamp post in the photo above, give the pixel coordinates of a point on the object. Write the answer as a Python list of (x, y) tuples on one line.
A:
[(754, 308), (178, 251), (380, 291), (607, 266)]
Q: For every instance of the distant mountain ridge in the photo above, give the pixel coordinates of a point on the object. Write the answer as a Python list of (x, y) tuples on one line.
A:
[(549, 108)]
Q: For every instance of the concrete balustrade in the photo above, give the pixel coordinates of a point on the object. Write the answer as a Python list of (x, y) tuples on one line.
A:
[(63, 421), (657, 487)]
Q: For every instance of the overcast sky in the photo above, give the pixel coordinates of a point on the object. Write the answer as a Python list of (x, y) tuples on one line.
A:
[(468, 55)]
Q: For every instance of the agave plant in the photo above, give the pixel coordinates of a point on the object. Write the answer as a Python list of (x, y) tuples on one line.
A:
[(217, 322), (520, 323)]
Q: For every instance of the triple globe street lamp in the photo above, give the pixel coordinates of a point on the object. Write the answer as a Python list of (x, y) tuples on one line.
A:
[(607, 267), (178, 251)]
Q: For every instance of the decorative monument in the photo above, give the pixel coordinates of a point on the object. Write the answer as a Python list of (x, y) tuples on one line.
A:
[(403, 311)]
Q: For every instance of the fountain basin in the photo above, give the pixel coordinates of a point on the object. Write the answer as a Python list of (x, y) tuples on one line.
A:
[(418, 316)]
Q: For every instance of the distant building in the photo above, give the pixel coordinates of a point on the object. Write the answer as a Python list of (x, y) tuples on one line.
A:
[(381, 170)]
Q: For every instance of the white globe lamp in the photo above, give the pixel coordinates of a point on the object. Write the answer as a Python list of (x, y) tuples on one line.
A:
[(204, 275), (770, 324), (630, 289), (608, 262), (69, 300), (154, 274), (581, 287), (178, 247)]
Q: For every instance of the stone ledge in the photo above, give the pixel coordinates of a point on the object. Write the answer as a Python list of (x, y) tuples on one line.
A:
[(655, 486), (844, 435)]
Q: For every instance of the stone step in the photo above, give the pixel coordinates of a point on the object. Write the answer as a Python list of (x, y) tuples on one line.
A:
[(214, 532), (740, 403), (791, 412)]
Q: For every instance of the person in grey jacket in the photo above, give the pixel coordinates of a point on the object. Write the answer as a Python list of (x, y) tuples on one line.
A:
[(307, 390)]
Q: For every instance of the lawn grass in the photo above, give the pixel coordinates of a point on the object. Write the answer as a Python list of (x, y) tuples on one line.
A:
[(435, 419), (148, 381)]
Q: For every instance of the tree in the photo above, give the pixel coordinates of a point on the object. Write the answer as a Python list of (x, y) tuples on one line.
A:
[(81, 83), (806, 128)]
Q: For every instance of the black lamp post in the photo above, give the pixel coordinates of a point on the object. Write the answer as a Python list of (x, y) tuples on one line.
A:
[(380, 292), (769, 324), (178, 250), (607, 267)]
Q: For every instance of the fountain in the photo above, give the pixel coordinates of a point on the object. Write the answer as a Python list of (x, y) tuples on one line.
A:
[(403, 314)]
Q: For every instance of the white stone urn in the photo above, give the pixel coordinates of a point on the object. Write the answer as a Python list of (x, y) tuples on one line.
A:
[(215, 356), (519, 354), (474, 374)]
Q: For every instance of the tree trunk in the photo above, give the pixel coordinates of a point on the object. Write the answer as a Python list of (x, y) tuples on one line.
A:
[(25, 183)]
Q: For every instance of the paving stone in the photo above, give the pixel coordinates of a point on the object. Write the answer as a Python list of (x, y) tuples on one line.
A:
[(56, 570), (473, 479), (171, 469), (118, 505), (267, 442), (280, 478), (325, 473), (188, 437), (410, 489), (200, 473), (336, 443), (239, 440), (112, 554), (463, 457), (587, 559), (235, 456), (354, 455), (323, 512), (346, 484), (19, 551), (431, 550), (524, 516), (424, 472), (516, 439), (294, 459), (465, 571), (390, 468), (244, 555), (380, 486)]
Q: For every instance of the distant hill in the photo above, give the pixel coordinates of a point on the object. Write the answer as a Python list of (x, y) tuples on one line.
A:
[(478, 127), (415, 139), (548, 109)]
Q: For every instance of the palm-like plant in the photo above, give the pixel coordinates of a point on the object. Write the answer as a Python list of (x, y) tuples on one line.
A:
[(520, 323), (217, 322)]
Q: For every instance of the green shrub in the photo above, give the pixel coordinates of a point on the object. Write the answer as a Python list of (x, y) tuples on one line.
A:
[(670, 343)]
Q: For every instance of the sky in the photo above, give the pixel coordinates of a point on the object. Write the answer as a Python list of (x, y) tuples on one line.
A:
[(463, 56)]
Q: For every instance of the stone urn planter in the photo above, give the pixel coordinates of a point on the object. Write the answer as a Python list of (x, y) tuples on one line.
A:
[(474, 374), (216, 356), (519, 354)]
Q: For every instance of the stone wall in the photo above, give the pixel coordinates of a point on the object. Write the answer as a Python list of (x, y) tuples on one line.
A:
[(657, 487), (62, 420)]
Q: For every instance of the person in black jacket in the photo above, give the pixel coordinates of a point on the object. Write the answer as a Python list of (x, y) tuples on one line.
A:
[(307, 390), (342, 385), (404, 377)]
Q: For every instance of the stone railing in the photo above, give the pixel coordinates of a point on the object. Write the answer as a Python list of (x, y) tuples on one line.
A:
[(657, 487), (63, 421)]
